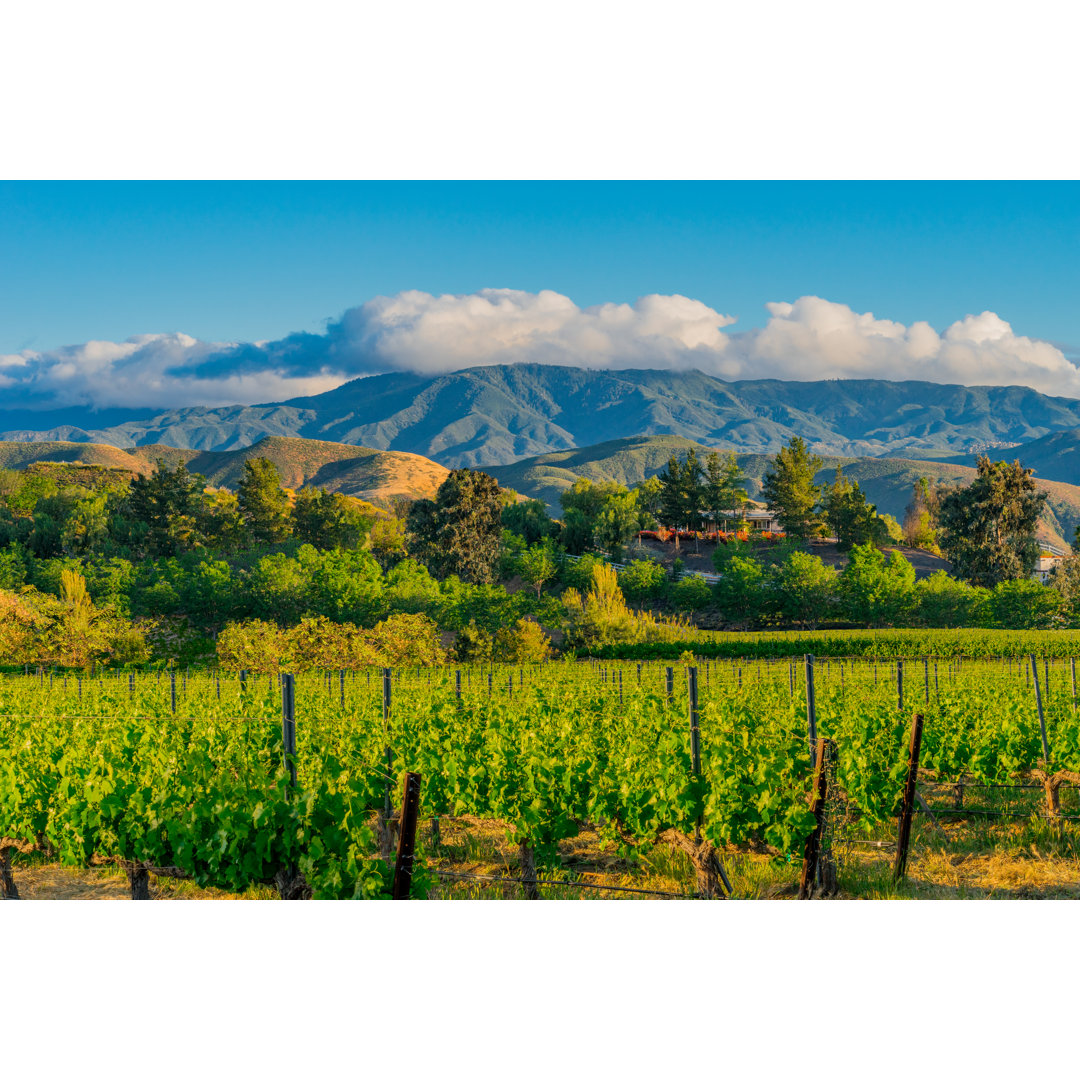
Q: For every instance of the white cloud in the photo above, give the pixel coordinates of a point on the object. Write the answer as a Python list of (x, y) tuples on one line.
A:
[(416, 331), (811, 338)]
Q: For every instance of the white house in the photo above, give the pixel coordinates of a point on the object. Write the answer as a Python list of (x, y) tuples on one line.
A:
[(758, 520), (1045, 566)]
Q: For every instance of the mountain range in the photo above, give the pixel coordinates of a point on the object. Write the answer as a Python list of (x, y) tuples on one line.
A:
[(494, 416)]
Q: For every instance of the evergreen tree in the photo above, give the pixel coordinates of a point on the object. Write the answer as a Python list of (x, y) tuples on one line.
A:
[(850, 517), (724, 486), (790, 492), (987, 529), (327, 520), (264, 506), (693, 489), (460, 531), (671, 501), (165, 504), (682, 491)]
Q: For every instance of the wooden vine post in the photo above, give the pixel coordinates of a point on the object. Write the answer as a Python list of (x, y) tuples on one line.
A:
[(386, 840), (811, 711), (8, 889), (290, 883), (907, 807), (406, 852), (808, 880), (1039, 706), (288, 725)]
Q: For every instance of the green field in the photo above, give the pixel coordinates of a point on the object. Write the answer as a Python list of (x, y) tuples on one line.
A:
[(536, 760)]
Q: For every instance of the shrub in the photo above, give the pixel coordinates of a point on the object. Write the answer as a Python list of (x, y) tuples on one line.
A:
[(253, 645), (806, 589), (473, 644), (942, 601), (643, 580), (406, 639), (691, 594), (579, 575), (1023, 605), (601, 617), (741, 591), (523, 643)]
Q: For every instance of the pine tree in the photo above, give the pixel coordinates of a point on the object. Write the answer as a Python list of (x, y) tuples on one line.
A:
[(671, 501), (264, 506), (790, 492)]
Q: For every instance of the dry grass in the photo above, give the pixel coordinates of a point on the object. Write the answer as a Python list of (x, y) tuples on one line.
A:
[(963, 860)]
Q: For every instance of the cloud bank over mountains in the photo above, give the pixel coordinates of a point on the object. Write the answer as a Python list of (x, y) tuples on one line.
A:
[(415, 331)]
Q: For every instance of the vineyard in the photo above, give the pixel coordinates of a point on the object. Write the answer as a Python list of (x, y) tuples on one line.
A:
[(315, 785)]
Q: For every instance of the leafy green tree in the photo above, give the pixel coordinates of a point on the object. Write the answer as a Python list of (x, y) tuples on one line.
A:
[(328, 519), (987, 529), (578, 574), (111, 582), (208, 592), (411, 589), (806, 590), (538, 564), (875, 590), (460, 531), (682, 491), (616, 522), (220, 522), (23, 499), (649, 501), (529, 519), (582, 505), (577, 531), (86, 529), (166, 504), (790, 492), (15, 567), (264, 506)]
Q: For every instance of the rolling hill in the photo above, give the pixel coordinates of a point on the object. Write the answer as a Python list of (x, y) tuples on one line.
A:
[(499, 414), (373, 475)]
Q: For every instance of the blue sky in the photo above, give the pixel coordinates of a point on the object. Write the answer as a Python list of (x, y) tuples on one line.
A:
[(253, 261), (140, 295)]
